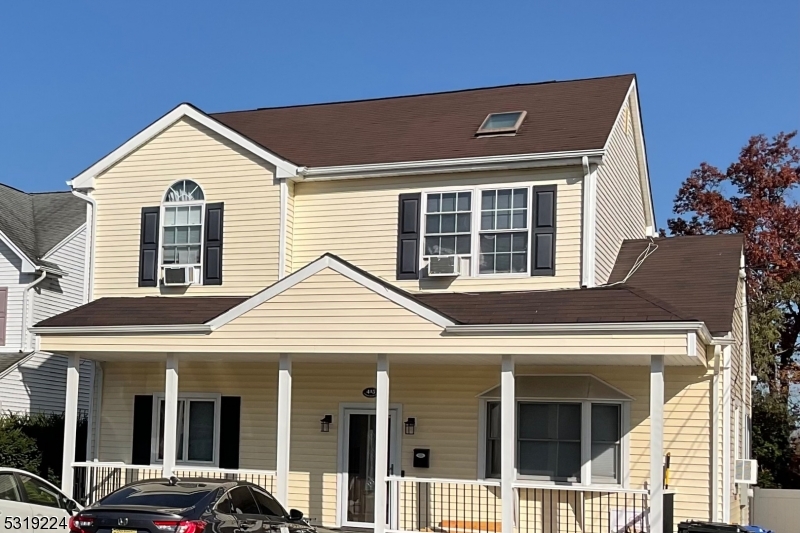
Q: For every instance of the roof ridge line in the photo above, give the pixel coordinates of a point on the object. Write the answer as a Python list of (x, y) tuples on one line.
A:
[(416, 95)]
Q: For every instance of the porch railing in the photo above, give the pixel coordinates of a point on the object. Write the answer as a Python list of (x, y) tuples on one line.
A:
[(95, 480), (548, 509), (465, 506)]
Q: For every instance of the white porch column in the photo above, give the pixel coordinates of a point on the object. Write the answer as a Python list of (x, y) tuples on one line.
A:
[(70, 422), (656, 443), (170, 414), (381, 442), (284, 426), (508, 441)]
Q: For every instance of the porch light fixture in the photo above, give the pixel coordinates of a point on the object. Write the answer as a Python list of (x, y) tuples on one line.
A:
[(325, 423), (411, 424)]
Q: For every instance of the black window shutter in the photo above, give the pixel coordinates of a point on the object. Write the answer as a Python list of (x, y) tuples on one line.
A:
[(230, 412), (148, 247), (142, 429), (543, 238), (212, 256), (408, 236)]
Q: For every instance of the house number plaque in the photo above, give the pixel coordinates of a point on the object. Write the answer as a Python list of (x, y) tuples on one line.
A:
[(370, 392)]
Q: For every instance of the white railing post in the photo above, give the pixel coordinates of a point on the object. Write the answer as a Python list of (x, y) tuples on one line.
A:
[(70, 422), (508, 437), (170, 414), (381, 442), (656, 444), (284, 427)]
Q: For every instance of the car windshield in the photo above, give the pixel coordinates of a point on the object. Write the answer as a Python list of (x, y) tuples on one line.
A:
[(164, 497)]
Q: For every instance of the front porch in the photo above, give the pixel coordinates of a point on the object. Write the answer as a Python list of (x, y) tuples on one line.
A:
[(490, 426)]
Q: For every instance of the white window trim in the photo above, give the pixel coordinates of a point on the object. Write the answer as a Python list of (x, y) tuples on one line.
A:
[(162, 217), (474, 255), (586, 421), (185, 396)]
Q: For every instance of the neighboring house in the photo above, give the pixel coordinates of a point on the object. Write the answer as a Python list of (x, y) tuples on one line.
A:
[(42, 274), (447, 308)]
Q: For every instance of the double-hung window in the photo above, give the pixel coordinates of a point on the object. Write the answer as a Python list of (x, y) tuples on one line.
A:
[(448, 221), (182, 226), (504, 231), (197, 429), (489, 229)]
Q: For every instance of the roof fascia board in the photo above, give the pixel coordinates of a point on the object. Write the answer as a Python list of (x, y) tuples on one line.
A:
[(85, 180), (125, 330), (64, 241), (438, 166), (345, 270), (28, 266)]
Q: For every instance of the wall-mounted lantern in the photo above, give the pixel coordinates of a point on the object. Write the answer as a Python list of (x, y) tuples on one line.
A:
[(325, 423), (411, 425)]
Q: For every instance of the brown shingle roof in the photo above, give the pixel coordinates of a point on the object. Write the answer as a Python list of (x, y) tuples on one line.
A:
[(562, 116), (696, 274), (144, 311), (685, 279)]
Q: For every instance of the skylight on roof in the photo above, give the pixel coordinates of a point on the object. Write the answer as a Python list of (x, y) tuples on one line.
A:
[(508, 122)]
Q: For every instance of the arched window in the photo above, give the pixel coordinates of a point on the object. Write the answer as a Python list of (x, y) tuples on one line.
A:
[(183, 225)]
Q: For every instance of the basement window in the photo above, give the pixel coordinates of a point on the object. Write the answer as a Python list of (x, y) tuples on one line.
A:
[(496, 123)]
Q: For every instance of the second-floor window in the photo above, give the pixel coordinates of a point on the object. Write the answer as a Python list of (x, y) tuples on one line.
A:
[(183, 225), (491, 230)]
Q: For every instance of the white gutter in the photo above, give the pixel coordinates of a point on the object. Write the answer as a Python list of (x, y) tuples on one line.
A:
[(89, 260), (125, 330), (462, 164), (495, 329), (726, 434), (589, 223), (23, 339)]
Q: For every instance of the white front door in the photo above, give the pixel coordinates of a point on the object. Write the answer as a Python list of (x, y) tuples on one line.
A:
[(357, 461)]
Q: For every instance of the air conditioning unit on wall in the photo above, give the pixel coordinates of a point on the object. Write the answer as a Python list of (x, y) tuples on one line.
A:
[(444, 266), (746, 471), (178, 276)]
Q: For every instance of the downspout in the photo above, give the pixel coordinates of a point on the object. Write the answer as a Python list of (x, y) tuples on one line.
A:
[(726, 434), (89, 291), (715, 435), (23, 340), (589, 224)]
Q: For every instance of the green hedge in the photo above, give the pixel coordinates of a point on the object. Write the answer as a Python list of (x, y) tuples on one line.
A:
[(34, 442)]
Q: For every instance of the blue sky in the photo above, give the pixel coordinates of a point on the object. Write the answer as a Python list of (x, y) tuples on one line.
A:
[(79, 78)]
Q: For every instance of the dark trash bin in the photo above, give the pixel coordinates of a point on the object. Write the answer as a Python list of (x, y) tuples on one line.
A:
[(709, 527)]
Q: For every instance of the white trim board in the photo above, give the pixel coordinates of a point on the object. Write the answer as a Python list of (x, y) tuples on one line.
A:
[(64, 241), (85, 179), (339, 266)]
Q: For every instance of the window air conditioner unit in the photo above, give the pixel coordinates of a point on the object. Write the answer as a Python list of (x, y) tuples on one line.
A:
[(178, 276), (746, 471), (443, 266)]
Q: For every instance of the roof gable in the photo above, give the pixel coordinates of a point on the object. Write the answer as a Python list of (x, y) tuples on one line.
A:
[(85, 179), (697, 275), (561, 117)]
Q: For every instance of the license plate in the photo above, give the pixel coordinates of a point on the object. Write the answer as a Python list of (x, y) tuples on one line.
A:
[(114, 530)]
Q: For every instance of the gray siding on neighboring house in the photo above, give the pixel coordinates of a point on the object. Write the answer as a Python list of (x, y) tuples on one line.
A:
[(620, 211), (56, 295), (38, 382), (11, 277), (38, 385)]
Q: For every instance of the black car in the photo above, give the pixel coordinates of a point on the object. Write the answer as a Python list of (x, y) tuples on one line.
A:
[(189, 506)]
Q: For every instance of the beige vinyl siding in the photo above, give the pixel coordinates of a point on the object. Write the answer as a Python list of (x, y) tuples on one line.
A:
[(289, 226), (444, 400), (740, 375), (620, 213), (357, 220), (227, 173), (329, 313)]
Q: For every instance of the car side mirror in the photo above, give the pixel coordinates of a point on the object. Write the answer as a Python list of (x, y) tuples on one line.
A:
[(295, 515), (71, 507)]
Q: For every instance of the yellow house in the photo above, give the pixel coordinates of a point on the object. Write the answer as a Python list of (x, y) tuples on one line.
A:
[(435, 312)]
